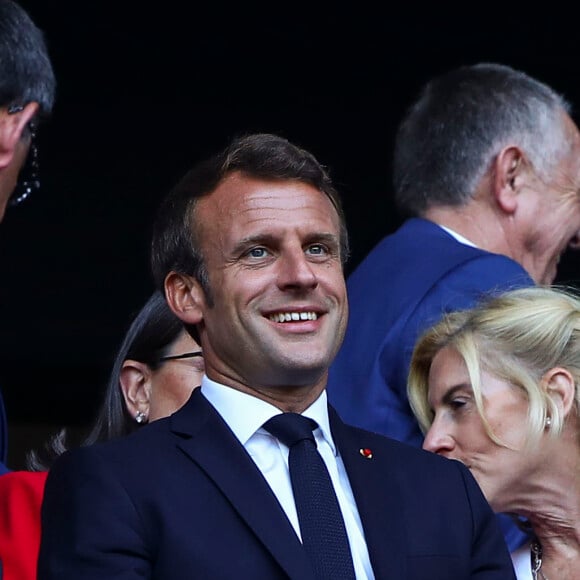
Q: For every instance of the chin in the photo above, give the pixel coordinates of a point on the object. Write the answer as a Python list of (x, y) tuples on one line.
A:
[(301, 374)]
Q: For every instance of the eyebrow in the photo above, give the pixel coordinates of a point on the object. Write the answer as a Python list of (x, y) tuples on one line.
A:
[(256, 239), (330, 239)]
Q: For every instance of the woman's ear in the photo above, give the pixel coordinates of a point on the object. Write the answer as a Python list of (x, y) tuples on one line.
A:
[(561, 387), (135, 380)]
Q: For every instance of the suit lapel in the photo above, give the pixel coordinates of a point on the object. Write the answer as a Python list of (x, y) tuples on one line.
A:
[(378, 500), (210, 443)]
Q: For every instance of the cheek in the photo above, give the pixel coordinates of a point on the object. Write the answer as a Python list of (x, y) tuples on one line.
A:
[(511, 431), (232, 293), (193, 378), (567, 220), (332, 282), (472, 438), (171, 391), (509, 422)]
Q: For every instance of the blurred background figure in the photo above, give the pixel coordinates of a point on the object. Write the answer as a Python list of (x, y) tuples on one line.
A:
[(27, 90), (155, 371), (497, 388)]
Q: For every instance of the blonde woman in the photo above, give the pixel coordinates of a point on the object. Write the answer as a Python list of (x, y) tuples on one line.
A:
[(496, 387)]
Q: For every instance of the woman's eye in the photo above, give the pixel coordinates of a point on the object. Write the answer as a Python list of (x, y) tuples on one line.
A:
[(457, 403)]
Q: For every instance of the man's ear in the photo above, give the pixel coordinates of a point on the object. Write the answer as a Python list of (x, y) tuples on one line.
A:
[(185, 297), (509, 175), (12, 126), (135, 380)]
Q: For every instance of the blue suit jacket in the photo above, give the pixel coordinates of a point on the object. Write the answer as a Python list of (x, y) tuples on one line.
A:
[(401, 288), (181, 498)]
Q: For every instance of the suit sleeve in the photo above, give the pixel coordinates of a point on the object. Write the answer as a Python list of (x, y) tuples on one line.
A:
[(89, 523)]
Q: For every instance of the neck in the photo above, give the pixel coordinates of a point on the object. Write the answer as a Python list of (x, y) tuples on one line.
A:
[(548, 495), (477, 225), (287, 398)]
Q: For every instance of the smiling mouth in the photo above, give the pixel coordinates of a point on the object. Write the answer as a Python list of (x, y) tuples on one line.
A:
[(292, 316)]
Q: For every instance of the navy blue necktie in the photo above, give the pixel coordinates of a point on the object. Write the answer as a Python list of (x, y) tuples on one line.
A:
[(321, 525)]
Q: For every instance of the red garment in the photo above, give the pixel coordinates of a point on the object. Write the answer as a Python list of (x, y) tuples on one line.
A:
[(21, 495)]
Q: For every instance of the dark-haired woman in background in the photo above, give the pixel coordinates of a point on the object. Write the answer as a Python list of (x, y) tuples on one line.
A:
[(155, 371)]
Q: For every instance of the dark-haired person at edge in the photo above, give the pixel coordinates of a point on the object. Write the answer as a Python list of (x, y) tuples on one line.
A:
[(27, 89), (487, 164), (156, 368), (256, 476)]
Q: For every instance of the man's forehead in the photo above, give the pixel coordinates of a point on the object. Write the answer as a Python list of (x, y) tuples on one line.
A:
[(238, 196), (258, 209)]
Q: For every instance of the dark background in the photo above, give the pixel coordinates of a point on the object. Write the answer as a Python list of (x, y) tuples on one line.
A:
[(144, 92)]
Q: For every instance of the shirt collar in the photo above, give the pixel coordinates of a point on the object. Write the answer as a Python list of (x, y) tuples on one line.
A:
[(245, 414), (457, 236)]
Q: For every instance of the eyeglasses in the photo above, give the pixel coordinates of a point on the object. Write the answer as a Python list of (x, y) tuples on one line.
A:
[(28, 181), (180, 356)]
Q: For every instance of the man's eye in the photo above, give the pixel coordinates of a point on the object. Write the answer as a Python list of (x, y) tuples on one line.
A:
[(316, 250), (257, 253)]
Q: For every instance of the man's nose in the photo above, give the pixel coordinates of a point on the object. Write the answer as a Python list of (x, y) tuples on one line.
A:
[(296, 271)]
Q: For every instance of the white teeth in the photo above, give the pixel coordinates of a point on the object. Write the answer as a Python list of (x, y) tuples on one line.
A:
[(293, 316)]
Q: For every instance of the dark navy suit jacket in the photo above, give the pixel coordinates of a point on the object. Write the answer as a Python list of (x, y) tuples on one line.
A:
[(401, 288), (181, 498)]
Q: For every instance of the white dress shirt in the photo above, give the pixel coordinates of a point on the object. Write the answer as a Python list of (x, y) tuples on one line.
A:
[(245, 416), (457, 236), (522, 561)]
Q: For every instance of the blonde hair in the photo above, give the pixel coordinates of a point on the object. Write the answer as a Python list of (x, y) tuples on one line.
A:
[(518, 337)]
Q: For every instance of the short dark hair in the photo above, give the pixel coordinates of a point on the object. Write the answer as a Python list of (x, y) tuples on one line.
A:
[(175, 246), (26, 73), (461, 121)]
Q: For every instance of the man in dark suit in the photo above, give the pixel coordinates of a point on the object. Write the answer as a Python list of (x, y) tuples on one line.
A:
[(249, 249), (487, 166), (27, 87)]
